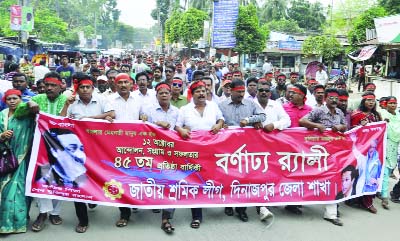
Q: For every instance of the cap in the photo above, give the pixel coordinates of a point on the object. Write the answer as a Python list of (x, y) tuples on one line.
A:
[(102, 77), (228, 81)]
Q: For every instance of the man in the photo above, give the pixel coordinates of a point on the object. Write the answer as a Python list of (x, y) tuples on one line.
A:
[(321, 76), (19, 82), (52, 103), (77, 66), (267, 66), (95, 73), (269, 76), (189, 71), (169, 74), (311, 83), (342, 105), (179, 72), (361, 78), (65, 70), (139, 66), (111, 82), (86, 105), (209, 87), (7, 63), (199, 114), (226, 90), (319, 92), (242, 112), (294, 77), (251, 88), (144, 95), (40, 71), (177, 99), (328, 116), (279, 90), (126, 108), (276, 119), (157, 76), (101, 84), (296, 108)]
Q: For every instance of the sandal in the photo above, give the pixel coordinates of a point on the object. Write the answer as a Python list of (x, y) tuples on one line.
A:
[(121, 223), (195, 223), (167, 227), (38, 225), (55, 219), (81, 228)]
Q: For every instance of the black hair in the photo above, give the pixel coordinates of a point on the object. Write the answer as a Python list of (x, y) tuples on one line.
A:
[(364, 109), (236, 83), (170, 67), (19, 75), (251, 79), (352, 169), (141, 74), (331, 90), (52, 74), (112, 70), (196, 73), (208, 78), (162, 83), (302, 88), (343, 92), (192, 90)]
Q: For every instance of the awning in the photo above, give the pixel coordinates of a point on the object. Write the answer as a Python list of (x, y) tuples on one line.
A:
[(363, 54)]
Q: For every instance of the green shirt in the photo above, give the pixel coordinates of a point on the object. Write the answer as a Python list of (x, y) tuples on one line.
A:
[(393, 126), (178, 103), (50, 107)]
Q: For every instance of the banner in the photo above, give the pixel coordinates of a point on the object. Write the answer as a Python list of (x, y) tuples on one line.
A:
[(27, 19), (387, 29), (364, 54), (225, 15), (141, 165), (15, 17)]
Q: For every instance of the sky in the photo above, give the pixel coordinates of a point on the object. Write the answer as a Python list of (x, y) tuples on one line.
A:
[(137, 12)]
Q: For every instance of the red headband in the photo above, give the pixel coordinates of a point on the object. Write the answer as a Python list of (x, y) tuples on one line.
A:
[(53, 80), (383, 103), (121, 76), (332, 94), (197, 84), (82, 82), (343, 97), (297, 90), (312, 81), (179, 81), (11, 92), (369, 97), (239, 88), (391, 100), (269, 74), (163, 86)]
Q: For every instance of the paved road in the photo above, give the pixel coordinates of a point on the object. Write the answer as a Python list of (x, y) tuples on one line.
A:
[(145, 225)]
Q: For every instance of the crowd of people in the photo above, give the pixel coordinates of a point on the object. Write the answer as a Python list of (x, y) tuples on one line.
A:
[(182, 96)]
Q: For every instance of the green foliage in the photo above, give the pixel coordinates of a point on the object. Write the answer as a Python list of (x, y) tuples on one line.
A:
[(391, 6), (49, 27), (191, 26), (250, 38), (172, 27), (309, 16), (284, 25), (326, 46), (273, 10), (5, 18), (362, 22)]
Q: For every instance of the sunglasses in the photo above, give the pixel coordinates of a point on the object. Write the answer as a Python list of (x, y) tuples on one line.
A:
[(168, 71), (281, 79), (264, 90), (176, 85)]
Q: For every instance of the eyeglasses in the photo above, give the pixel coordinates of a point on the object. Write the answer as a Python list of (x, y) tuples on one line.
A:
[(176, 85), (333, 98), (264, 90), (281, 79)]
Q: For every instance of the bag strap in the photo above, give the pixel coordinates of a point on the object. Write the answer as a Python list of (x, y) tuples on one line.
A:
[(6, 143)]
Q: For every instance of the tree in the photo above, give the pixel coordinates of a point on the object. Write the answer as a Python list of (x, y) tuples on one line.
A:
[(250, 38), (286, 26), (362, 22), (172, 27), (273, 10), (309, 16), (191, 26), (328, 47), (391, 6), (160, 13)]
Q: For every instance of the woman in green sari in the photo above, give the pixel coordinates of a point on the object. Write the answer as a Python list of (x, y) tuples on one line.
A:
[(16, 128)]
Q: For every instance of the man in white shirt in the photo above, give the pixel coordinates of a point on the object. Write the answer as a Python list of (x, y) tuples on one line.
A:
[(321, 76), (144, 95), (267, 66), (40, 71)]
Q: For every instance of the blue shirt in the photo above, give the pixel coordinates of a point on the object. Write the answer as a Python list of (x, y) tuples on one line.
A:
[(65, 73)]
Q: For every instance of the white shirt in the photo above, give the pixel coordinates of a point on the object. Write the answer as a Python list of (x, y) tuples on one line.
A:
[(40, 71), (321, 77), (190, 117), (310, 99), (147, 99), (125, 110), (98, 105), (275, 115), (267, 67)]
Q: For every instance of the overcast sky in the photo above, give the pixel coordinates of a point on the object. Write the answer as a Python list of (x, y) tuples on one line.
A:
[(137, 13)]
